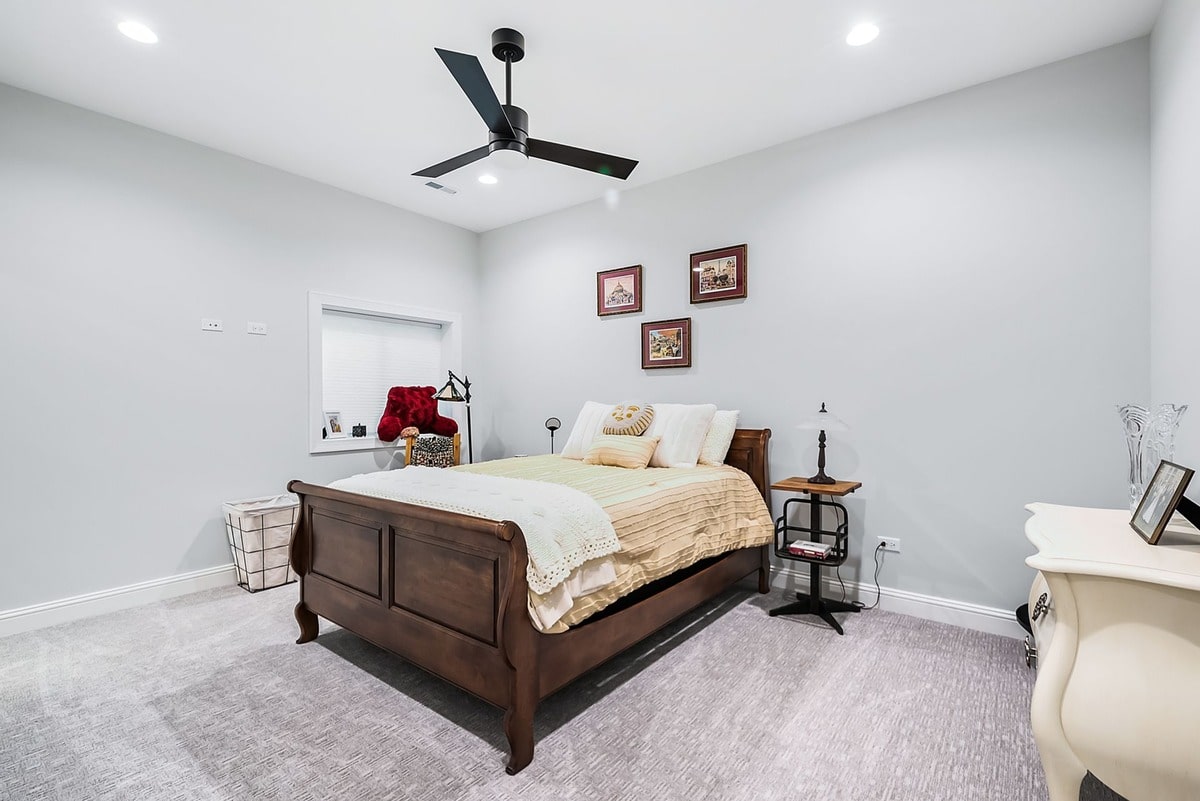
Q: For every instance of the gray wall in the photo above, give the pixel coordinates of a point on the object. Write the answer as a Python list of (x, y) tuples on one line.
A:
[(1175, 221), (965, 281), (126, 426)]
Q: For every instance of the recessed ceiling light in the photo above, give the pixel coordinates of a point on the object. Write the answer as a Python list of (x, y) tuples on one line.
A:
[(862, 34), (488, 179), (138, 32)]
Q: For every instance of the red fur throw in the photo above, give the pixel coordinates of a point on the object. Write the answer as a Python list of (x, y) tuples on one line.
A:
[(413, 406)]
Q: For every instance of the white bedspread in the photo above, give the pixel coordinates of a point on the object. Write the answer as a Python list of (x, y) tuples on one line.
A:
[(563, 527)]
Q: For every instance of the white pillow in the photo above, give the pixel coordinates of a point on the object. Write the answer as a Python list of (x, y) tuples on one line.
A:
[(588, 424), (680, 429), (719, 437)]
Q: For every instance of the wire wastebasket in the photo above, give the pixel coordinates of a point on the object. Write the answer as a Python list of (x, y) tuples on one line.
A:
[(259, 532)]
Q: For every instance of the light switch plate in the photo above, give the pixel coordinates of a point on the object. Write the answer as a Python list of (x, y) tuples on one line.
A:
[(256, 328), (209, 324)]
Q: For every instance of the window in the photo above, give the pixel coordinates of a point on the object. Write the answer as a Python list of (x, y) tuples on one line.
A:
[(359, 349)]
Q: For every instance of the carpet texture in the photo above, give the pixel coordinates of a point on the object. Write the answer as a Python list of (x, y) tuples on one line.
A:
[(208, 697)]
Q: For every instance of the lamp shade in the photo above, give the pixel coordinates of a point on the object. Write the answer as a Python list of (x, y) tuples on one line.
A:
[(449, 393), (823, 420)]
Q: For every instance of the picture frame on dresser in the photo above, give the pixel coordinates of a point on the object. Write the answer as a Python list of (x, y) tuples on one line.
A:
[(1163, 495), (718, 274), (619, 291)]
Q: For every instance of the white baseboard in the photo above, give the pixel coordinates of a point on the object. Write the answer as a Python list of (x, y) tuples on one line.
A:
[(38, 616), (929, 607)]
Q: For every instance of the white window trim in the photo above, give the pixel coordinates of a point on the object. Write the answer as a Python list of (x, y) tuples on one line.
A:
[(318, 304)]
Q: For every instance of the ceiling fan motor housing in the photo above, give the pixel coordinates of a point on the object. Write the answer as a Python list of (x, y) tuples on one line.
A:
[(520, 124)]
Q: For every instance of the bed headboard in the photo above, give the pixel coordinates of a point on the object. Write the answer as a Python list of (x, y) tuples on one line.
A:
[(748, 453)]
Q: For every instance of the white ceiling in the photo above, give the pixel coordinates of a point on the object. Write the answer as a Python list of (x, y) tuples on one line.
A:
[(352, 94)]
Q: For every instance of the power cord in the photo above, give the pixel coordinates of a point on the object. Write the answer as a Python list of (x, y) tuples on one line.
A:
[(878, 565)]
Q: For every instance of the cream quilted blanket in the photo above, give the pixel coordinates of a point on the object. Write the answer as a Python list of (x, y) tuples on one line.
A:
[(563, 527)]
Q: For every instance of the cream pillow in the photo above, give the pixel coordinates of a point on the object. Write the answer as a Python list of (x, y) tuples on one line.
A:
[(630, 419), (620, 450), (719, 437), (680, 429), (588, 424)]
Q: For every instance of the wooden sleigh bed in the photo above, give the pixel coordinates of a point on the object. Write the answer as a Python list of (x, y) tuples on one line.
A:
[(448, 593)]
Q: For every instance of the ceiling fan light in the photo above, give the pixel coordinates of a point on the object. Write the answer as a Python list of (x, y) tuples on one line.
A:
[(488, 178), (509, 159), (861, 34)]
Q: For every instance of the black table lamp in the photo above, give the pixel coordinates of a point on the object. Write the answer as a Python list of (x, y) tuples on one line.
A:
[(450, 394), (823, 421), (553, 424)]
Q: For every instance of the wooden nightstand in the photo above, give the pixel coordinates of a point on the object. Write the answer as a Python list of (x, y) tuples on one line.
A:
[(812, 603)]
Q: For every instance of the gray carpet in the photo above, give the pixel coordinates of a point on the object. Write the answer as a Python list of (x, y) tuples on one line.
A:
[(207, 697)]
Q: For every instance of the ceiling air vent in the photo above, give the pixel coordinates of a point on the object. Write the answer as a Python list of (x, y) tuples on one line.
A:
[(441, 187)]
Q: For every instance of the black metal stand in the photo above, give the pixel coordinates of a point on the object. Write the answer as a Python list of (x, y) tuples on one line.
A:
[(470, 440), (811, 603)]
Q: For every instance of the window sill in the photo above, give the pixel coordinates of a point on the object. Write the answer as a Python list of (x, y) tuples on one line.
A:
[(346, 444)]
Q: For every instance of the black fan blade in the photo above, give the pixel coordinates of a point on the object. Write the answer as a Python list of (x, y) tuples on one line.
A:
[(469, 73), (602, 163), (449, 165)]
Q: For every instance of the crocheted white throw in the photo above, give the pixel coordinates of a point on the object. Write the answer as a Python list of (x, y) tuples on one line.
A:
[(563, 527)]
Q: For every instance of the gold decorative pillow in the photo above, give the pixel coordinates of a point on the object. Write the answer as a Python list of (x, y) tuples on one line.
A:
[(618, 450), (629, 419)]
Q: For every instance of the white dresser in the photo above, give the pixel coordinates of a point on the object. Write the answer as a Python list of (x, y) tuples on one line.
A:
[(1118, 686)]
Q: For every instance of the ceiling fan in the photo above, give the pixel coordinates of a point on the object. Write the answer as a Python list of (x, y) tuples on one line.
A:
[(508, 125)]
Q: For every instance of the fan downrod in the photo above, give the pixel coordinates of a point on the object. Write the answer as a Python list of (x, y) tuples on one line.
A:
[(508, 45)]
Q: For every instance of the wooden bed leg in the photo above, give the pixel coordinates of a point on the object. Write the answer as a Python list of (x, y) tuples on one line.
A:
[(308, 624), (764, 573), (518, 727)]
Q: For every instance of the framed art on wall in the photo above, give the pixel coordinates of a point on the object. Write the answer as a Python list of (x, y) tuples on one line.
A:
[(667, 343), (718, 274), (619, 291), (1163, 494)]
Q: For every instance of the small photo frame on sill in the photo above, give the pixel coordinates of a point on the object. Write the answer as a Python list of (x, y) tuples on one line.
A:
[(333, 425), (619, 291), (1162, 496), (718, 274), (667, 343)]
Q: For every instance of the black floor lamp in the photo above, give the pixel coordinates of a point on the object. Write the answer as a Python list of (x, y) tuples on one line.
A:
[(552, 425), (450, 394)]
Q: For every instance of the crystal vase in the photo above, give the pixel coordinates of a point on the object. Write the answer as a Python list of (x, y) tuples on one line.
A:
[(1150, 439)]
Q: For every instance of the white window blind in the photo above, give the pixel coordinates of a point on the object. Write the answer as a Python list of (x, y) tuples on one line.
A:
[(363, 356)]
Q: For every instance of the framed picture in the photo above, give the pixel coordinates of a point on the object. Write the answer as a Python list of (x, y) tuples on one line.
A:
[(1158, 504), (719, 274), (619, 291), (333, 425), (667, 343)]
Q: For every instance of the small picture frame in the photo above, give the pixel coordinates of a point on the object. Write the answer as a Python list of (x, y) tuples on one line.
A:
[(718, 274), (1162, 495), (619, 291), (667, 343), (333, 424)]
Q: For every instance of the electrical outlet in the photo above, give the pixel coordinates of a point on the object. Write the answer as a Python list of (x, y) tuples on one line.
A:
[(891, 544), (209, 324), (256, 328)]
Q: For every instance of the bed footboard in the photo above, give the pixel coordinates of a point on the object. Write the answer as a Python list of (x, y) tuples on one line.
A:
[(443, 590)]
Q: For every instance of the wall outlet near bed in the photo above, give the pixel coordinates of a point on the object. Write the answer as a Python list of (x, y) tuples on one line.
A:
[(890, 544)]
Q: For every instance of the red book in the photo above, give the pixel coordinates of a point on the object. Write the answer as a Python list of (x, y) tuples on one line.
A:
[(809, 550)]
